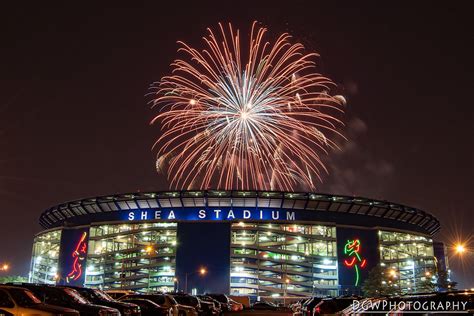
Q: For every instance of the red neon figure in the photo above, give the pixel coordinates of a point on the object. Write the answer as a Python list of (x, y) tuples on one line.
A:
[(79, 254), (352, 249)]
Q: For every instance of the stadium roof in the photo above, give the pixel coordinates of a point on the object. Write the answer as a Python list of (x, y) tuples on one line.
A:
[(328, 208)]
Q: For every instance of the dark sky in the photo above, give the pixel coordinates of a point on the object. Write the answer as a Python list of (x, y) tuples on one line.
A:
[(74, 118)]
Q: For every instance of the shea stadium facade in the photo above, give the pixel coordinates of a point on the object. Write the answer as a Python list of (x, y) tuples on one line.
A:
[(267, 244)]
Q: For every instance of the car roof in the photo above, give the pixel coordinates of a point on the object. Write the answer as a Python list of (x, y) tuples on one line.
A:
[(4, 286), (179, 293), (14, 284), (75, 287), (135, 295), (135, 299)]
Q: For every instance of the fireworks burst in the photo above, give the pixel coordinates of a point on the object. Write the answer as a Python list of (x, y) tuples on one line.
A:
[(236, 117)]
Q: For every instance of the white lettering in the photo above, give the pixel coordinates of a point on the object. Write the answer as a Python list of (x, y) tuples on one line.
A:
[(376, 304), (440, 306), (202, 214), (290, 216), (417, 305), (365, 306), (400, 306), (355, 305), (277, 216), (392, 305), (456, 305)]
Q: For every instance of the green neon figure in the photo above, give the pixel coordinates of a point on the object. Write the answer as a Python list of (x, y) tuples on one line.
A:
[(352, 249)]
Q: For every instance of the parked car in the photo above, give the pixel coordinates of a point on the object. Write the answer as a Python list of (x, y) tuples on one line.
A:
[(69, 298), (242, 299), (166, 300), (235, 306), (308, 306), (296, 306), (190, 300), (207, 299), (98, 297), (223, 300), (19, 301), (263, 305), (149, 308), (209, 308), (333, 305), (116, 294)]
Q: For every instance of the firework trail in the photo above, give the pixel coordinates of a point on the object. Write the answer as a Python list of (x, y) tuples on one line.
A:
[(244, 117)]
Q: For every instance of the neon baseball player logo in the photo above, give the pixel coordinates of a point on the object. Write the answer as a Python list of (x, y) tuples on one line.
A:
[(79, 254), (352, 250)]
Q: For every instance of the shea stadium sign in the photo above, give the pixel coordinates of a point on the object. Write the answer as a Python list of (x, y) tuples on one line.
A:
[(215, 214), (231, 206)]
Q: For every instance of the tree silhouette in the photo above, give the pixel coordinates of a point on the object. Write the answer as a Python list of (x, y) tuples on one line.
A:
[(443, 283), (13, 279), (378, 283)]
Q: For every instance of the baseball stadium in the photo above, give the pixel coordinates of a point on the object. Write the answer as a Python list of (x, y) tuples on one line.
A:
[(253, 243)]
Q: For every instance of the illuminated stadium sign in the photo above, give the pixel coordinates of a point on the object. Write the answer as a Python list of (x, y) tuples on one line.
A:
[(73, 256), (357, 255), (239, 206), (218, 214), (78, 255), (355, 260)]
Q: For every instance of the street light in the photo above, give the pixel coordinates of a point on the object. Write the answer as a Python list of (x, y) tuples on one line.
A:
[(176, 283), (287, 281), (393, 273), (460, 249), (5, 267), (202, 271)]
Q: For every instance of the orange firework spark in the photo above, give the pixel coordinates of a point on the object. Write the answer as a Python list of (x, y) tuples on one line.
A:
[(236, 118)]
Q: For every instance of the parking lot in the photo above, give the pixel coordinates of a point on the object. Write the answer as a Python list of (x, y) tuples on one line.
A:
[(259, 313)]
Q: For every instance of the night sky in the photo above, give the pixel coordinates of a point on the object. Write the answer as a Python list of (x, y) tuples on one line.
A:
[(74, 115)]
